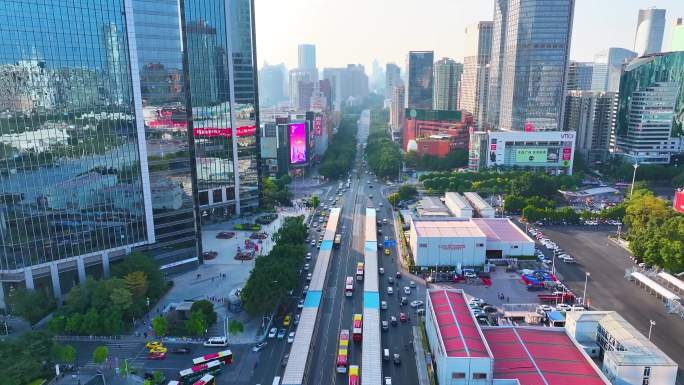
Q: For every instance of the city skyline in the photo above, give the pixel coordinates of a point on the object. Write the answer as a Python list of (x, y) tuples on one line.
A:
[(336, 42)]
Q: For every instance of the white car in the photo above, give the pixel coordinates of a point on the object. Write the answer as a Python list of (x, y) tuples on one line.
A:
[(390, 290), (381, 271), (308, 256), (544, 308), (470, 274), (300, 304), (308, 277), (416, 303), (290, 337), (563, 307), (272, 333), (307, 266), (383, 305), (407, 290)]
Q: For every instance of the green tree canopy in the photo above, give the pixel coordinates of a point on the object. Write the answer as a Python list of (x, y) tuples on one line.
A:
[(100, 354), (32, 305), (207, 308), (196, 324), (160, 325)]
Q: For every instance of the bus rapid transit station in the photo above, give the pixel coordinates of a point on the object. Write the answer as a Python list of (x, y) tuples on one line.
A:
[(371, 361), (299, 354)]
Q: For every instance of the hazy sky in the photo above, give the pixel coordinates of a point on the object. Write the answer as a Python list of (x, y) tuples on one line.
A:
[(358, 31)]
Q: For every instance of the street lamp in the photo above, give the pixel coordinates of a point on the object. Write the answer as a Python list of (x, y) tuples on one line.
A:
[(636, 165), (650, 328), (584, 296)]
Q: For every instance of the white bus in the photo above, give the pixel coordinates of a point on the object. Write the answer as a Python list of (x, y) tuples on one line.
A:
[(349, 287)]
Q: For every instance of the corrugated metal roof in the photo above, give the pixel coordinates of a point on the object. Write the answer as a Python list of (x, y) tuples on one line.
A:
[(458, 330), (476, 200), (655, 286), (458, 200), (501, 229), (447, 228)]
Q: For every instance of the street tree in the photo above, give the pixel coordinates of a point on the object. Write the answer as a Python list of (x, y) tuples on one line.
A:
[(196, 324), (136, 283), (235, 327), (160, 325), (315, 201), (393, 199), (100, 354), (207, 308), (66, 354)]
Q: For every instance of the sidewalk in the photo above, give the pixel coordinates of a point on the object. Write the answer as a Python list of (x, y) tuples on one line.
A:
[(216, 278)]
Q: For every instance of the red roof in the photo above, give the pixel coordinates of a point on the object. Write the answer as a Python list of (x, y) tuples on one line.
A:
[(501, 229), (459, 332), (539, 356)]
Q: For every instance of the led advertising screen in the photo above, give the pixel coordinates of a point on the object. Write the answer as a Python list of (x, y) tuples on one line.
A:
[(531, 155), (297, 143)]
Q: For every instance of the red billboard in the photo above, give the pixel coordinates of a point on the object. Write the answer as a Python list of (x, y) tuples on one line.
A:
[(679, 201), (225, 132)]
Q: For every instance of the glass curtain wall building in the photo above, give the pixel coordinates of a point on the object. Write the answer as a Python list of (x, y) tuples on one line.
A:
[(535, 58), (102, 148), (419, 90)]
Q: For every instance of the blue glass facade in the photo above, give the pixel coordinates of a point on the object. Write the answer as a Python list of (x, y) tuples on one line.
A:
[(420, 79)]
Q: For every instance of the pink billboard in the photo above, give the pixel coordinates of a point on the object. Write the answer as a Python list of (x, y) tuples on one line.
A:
[(297, 142)]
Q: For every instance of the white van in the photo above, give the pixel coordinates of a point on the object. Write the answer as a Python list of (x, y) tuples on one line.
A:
[(385, 354), (216, 341)]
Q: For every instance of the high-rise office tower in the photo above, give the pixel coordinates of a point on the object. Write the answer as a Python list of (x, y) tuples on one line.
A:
[(347, 84), (496, 63), (446, 78), (535, 58), (392, 79), (76, 198), (377, 80), (397, 109), (306, 56), (475, 78), (419, 88), (272, 84), (649, 31), (607, 69), (649, 127), (592, 116), (677, 38), (307, 61), (579, 76)]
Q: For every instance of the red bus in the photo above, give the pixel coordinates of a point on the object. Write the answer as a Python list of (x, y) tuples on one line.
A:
[(359, 271), (343, 352), (191, 375), (354, 375), (357, 328), (207, 379), (349, 287), (225, 356)]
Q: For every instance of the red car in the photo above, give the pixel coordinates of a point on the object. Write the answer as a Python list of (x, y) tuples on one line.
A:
[(156, 356), (402, 317)]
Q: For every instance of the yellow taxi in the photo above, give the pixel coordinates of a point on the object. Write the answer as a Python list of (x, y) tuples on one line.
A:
[(158, 350), (153, 344), (287, 320), (387, 252)]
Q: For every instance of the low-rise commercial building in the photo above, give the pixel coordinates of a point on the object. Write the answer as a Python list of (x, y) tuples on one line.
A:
[(461, 242), (431, 207), (467, 354), (423, 123), (629, 358), (458, 205), (482, 208), (546, 151)]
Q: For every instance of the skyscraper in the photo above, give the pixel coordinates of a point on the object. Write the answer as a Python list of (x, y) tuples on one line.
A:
[(272, 84), (392, 79), (607, 69), (496, 63), (297, 76), (592, 116), (397, 110), (649, 31), (649, 125), (535, 58), (475, 78), (579, 76), (677, 38), (76, 198), (447, 75), (347, 84), (419, 91), (306, 56)]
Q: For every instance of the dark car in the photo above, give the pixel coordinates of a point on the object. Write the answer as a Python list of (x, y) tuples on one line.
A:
[(225, 235), (397, 359), (207, 255), (398, 275), (185, 350), (283, 363)]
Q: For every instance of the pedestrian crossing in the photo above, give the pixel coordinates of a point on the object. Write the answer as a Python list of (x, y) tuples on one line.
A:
[(121, 350)]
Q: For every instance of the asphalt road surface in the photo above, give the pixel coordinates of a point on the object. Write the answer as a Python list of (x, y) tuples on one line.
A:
[(607, 289)]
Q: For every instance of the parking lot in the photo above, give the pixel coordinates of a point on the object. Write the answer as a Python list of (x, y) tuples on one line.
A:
[(607, 289)]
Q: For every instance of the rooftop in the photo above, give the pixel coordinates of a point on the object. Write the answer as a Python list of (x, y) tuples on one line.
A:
[(540, 356), (501, 229), (590, 192), (458, 330), (447, 228), (458, 200), (476, 200), (431, 206)]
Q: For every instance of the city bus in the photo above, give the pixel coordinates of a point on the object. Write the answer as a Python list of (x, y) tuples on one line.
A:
[(191, 375), (359, 271), (207, 379), (225, 356), (343, 352), (349, 287), (338, 240), (353, 375), (357, 328)]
